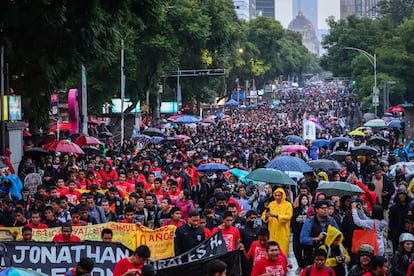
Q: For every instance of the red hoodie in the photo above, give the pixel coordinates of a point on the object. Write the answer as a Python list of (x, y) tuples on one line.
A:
[(370, 197), (111, 175)]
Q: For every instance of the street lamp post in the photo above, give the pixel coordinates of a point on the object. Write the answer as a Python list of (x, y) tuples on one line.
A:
[(386, 95), (373, 60)]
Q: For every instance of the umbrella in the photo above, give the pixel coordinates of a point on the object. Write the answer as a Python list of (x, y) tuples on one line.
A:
[(212, 167), (219, 114), (37, 152), (396, 123), (269, 175), (339, 155), (321, 143), (182, 137), (152, 131), (325, 164), (104, 134), (297, 175), (369, 116), (376, 123), (396, 108), (294, 139), (62, 126), (289, 163), (208, 120), (240, 174), (187, 119), (338, 188), (406, 105), (363, 151), (295, 148), (91, 150), (357, 133), (84, 140), (341, 139), (16, 271), (380, 141), (63, 146)]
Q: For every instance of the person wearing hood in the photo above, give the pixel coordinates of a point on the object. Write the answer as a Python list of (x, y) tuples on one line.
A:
[(398, 216), (108, 173), (337, 255), (278, 216)]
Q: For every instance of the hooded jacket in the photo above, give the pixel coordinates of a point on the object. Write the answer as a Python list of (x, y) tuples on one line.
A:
[(279, 227), (333, 251)]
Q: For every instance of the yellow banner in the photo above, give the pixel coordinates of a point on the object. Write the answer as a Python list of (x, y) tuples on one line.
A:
[(160, 241)]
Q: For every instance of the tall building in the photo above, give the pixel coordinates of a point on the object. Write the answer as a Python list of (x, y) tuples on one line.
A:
[(360, 8), (265, 8), (242, 8)]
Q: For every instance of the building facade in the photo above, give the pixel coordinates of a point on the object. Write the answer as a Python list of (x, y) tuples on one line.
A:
[(360, 8), (305, 27)]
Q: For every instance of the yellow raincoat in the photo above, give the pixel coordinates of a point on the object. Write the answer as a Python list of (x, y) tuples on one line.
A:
[(332, 234), (279, 227)]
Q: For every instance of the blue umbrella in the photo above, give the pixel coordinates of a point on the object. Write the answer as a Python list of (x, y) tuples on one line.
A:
[(396, 123), (212, 167), (240, 174), (15, 271), (406, 105), (341, 140), (219, 114), (321, 142), (294, 139), (187, 119), (289, 163)]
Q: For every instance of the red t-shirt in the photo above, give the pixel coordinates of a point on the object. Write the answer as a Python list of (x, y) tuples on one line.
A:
[(124, 265), (171, 222), (40, 226), (257, 252), (231, 236), (61, 191), (207, 232), (277, 267), (314, 272), (73, 197), (59, 238)]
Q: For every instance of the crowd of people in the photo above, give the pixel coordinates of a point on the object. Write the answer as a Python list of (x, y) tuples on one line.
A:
[(157, 184)]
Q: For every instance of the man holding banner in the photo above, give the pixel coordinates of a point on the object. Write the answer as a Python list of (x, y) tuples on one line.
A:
[(189, 235), (133, 265)]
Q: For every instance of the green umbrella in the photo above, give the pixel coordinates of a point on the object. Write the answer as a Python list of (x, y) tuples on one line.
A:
[(380, 141), (270, 176), (240, 174), (338, 188)]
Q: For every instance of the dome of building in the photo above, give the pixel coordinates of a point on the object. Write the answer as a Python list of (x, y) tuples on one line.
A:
[(301, 23)]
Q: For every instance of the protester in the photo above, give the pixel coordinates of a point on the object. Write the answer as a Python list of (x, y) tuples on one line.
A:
[(366, 255), (107, 235), (404, 256), (83, 268), (319, 267), (337, 255), (379, 267), (278, 217), (231, 235), (133, 265), (216, 268), (189, 235), (273, 264), (66, 234)]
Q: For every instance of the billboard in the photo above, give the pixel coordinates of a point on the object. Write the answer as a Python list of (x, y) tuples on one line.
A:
[(116, 105), (169, 107)]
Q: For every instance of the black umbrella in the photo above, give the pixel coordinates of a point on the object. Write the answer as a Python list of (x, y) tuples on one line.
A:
[(363, 151), (379, 140), (325, 164), (91, 150), (104, 134), (152, 131), (339, 155), (341, 139), (36, 153)]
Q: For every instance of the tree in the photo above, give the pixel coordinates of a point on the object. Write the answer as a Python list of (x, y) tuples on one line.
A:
[(397, 10)]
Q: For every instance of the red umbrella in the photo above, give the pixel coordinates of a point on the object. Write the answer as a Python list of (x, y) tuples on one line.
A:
[(396, 108), (174, 117), (63, 146), (84, 140), (62, 126), (295, 148)]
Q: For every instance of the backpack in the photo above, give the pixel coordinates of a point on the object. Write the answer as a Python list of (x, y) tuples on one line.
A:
[(309, 269)]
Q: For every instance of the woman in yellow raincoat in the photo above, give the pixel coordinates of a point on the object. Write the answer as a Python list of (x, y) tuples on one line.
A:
[(278, 216)]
